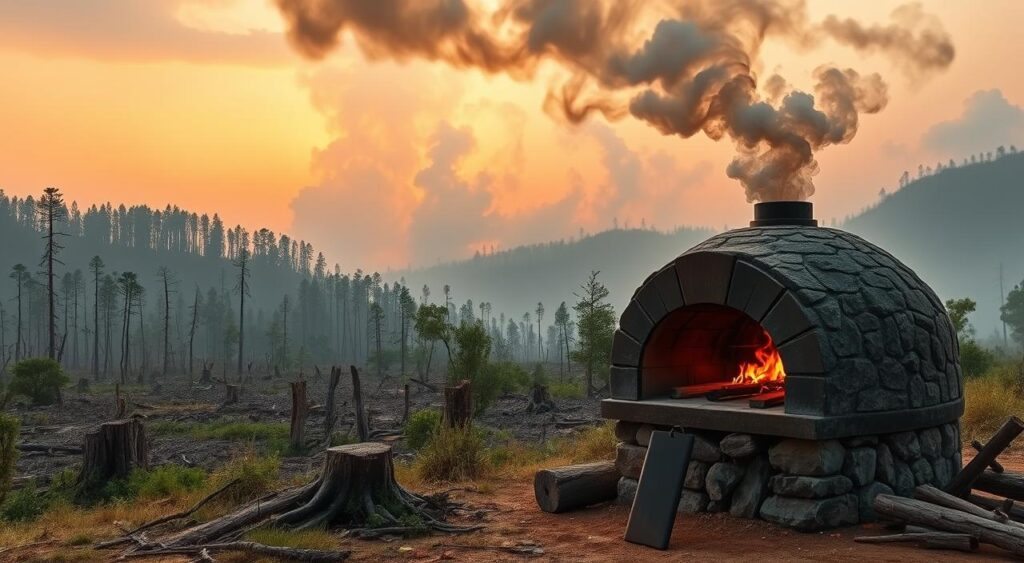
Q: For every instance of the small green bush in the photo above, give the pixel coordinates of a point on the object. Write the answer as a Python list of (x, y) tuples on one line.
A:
[(975, 360), (24, 505), (496, 379), (8, 452), (567, 390), (274, 435), (453, 454), (39, 379), (421, 427), (163, 481)]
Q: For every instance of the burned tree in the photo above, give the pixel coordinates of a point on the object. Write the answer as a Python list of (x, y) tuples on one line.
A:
[(242, 287), (19, 274), (167, 279), (96, 265), (112, 451), (51, 210), (300, 409)]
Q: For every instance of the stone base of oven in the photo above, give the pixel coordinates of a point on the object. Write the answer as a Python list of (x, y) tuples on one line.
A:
[(803, 484)]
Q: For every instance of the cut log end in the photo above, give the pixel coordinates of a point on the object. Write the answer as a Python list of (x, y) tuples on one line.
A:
[(564, 488)]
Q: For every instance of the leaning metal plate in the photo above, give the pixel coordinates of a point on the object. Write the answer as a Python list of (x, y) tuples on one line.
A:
[(661, 483)]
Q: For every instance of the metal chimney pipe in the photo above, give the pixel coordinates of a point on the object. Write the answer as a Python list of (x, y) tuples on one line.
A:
[(778, 213)]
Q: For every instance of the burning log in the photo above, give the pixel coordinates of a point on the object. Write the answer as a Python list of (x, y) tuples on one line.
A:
[(1010, 538), (961, 483), (691, 391), (768, 400), (574, 486), (737, 391)]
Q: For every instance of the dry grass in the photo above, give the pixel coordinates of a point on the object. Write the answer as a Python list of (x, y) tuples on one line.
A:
[(990, 400)]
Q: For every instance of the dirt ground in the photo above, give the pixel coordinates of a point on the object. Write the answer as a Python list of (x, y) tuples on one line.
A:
[(506, 506)]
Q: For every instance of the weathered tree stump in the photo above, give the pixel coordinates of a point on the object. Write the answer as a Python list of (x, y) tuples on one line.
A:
[(540, 399), (300, 408), (230, 394), (458, 405), (113, 450), (575, 486), (83, 385), (204, 379)]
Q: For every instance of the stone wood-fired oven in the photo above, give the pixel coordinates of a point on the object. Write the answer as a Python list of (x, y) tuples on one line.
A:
[(815, 369)]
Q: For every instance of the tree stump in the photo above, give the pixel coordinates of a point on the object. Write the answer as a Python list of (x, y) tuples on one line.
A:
[(540, 399), (330, 416), (575, 486), (113, 450), (458, 404), (300, 408), (204, 379), (230, 394), (357, 489)]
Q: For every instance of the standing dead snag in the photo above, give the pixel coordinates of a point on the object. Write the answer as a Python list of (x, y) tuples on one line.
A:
[(113, 450), (331, 417), (230, 393), (458, 405), (300, 408), (362, 424)]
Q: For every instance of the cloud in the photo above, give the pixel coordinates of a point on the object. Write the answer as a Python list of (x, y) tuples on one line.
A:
[(988, 120), (130, 30)]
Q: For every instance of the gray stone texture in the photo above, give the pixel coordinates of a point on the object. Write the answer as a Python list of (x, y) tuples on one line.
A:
[(859, 465), (860, 441), (626, 431), (811, 515), (886, 342), (740, 446), (950, 439), (810, 487), (705, 450), (904, 482), (691, 502), (866, 499), (626, 489), (696, 472), (931, 442), (752, 490), (629, 460), (905, 445), (885, 465), (643, 434), (923, 473), (807, 457), (721, 479)]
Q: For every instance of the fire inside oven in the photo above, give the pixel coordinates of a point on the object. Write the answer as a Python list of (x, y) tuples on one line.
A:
[(716, 352)]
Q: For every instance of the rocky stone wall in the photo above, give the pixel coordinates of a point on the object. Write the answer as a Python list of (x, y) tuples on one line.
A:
[(803, 484)]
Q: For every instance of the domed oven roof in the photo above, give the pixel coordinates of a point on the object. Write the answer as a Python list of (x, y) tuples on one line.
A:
[(866, 345)]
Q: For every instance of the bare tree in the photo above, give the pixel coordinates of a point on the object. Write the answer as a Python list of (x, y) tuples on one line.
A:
[(96, 265), (18, 273), (192, 331), (51, 210), (168, 280), (242, 287)]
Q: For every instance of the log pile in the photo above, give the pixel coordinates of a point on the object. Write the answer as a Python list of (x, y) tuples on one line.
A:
[(956, 518)]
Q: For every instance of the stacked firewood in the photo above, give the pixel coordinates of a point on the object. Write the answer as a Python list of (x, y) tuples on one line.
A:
[(956, 518)]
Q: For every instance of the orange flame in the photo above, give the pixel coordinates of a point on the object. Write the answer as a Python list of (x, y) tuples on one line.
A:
[(766, 367)]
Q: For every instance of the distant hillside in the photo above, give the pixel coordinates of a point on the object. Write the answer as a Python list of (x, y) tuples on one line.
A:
[(955, 228), (515, 280)]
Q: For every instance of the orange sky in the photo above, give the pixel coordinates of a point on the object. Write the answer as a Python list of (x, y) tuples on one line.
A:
[(201, 103)]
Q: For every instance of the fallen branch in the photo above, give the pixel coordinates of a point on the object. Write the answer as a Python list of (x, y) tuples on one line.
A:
[(275, 552), (930, 540), (522, 549), (994, 465), (1010, 538), (930, 494), (46, 448)]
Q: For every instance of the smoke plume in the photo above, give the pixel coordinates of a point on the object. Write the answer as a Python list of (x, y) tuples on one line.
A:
[(694, 73)]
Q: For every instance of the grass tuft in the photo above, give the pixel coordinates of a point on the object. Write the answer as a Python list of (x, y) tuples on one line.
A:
[(452, 454)]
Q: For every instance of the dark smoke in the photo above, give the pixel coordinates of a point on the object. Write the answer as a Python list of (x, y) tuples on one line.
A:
[(693, 73)]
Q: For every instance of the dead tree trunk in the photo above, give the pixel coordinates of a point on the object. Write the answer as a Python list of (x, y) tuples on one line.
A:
[(230, 393), (331, 417), (362, 424), (120, 405), (458, 405), (961, 483), (575, 486), (204, 379), (405, 408), (300, 408), (112, 451), (83, 385), (928, 540), (540, 400)]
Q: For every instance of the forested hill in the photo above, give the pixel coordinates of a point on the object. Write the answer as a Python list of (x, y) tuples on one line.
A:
[(955, 228), (517, 279)]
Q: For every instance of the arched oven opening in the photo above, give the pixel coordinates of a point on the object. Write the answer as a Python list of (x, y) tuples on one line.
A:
[(716, 352)]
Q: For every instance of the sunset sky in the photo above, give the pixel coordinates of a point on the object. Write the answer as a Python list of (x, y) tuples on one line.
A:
[(204, 104)]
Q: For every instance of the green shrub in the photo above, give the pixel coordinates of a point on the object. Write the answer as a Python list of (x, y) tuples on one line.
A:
[(991, 399), (496, 379), (975, 359), (453, 454), (567, 390), (256, 474), (39, 379), (163, 481), (421, 427), (275, 435), (8, 452), (24, 505)]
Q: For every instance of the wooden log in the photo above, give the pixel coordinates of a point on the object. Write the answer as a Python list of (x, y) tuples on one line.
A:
[(933, 495), (916, 511), (768, 400), (961, 483), (734, 391), (564, 488), (691, 391), (929, 540), (362, 423), (300, 408), (994, 465), (1015, 513), (47, 448), (330, 416), (1009, 485), (230, 394), (113, 450), (458, 405)]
